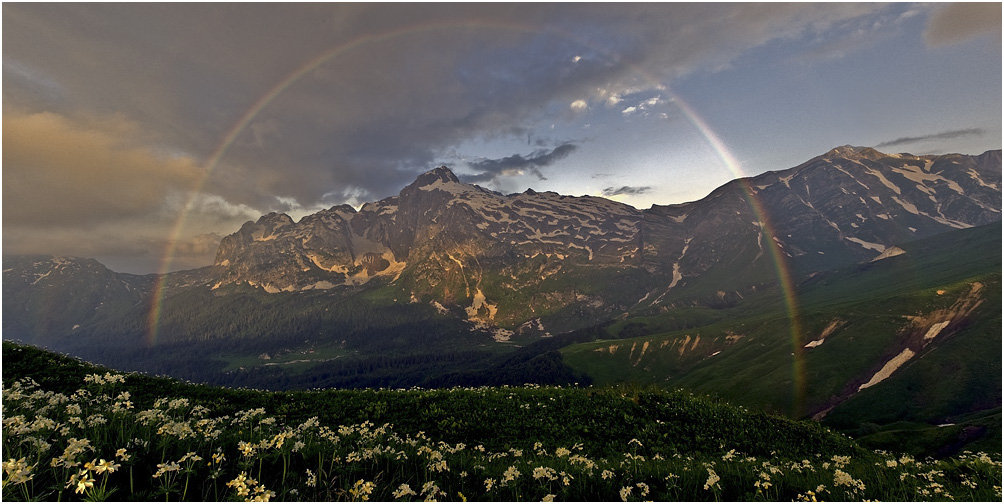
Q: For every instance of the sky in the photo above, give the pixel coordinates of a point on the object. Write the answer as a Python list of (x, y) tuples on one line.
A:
[(140, 134)]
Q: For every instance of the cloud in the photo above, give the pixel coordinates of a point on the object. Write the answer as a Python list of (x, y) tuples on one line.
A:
[(945, 135), (959, 22), (38, 84), (625, 190), (186, 253), (199, 245), (100, 187), (644, 107), (491, 169), (858, 34), (142, 252), (318, 103), (59, 171), (381, 89)]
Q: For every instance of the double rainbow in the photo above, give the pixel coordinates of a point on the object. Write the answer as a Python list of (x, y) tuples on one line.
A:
[(714, 141)]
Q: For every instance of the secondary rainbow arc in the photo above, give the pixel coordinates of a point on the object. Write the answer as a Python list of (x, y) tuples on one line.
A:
[(714, 141)]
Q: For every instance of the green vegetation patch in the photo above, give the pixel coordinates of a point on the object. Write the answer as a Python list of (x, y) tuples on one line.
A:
[(77, 431), (852, 321)]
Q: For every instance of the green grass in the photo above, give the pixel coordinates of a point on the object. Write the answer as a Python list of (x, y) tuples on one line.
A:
[(601, 418), (919, 438), (73, 433), (769, 367), (955, 374), (311, 354)]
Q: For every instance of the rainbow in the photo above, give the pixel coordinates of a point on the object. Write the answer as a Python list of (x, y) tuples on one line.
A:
[(160, 284), (716, 143), (784, 274)]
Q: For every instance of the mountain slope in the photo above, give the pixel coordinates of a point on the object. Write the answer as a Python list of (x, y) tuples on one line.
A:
[(914, 337), (47, 298), (454, 243), (447, 266)]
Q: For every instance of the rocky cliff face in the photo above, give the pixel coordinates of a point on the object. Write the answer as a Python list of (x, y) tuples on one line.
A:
[(502, 256), (542, 262)]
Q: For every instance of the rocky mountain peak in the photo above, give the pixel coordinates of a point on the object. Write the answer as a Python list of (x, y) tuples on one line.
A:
[(441, 174), (855, 152), (275, 218), (345, 208)]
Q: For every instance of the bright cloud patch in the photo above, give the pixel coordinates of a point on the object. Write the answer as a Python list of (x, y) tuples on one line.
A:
[(72, 171)]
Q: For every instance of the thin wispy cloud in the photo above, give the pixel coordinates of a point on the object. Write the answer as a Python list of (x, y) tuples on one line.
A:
[(955, 23), (625, 190), (516, 164), (944, 135)]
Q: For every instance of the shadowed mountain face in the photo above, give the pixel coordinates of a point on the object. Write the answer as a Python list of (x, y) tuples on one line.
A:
[(530, 264)]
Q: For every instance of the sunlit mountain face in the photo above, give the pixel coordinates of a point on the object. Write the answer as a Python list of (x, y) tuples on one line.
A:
[(493, 268)]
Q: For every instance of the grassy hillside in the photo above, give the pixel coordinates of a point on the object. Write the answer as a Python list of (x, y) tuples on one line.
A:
[(76, 431), (942, 307)]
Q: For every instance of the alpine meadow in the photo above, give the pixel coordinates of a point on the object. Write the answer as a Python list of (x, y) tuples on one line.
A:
[(502, 252)]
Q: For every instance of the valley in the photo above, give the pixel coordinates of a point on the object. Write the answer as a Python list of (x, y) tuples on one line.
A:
[(833, 290), (496, 252)]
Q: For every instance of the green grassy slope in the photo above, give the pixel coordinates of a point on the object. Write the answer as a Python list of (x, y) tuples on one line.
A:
[(154, 438), (862, 316), (603, 419)]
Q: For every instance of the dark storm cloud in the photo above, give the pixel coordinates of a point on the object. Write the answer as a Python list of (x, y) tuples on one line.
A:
[(945, 135), (402, 81), (492, 169), (625, 190), (312, 103)]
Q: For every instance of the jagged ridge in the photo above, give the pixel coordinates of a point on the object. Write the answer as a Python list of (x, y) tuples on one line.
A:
[(540, 262), (846, 205)]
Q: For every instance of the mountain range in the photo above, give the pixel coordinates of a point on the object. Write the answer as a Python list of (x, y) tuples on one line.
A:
[(449, 283), (446, 242), (541, 263)]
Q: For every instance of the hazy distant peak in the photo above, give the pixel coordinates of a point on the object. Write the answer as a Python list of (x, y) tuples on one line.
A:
[(855, 152)]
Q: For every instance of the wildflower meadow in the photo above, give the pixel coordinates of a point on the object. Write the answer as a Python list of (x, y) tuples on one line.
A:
[(106, 441)]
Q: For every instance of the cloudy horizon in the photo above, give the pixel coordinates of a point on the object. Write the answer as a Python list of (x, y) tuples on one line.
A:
[(135, 131)]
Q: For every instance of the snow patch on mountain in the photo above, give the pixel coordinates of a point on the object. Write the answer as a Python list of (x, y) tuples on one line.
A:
[(878, 247), (889, 252), (499, 334), (827, 331), (877, 174), (477, 303), (677, 276), (976, 176), (316, 259), (935, 329), (918, 175), (41, 276), (888, 369)]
